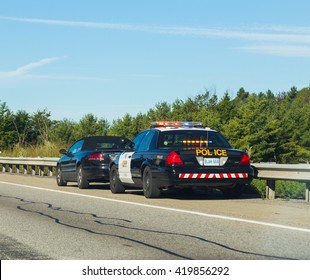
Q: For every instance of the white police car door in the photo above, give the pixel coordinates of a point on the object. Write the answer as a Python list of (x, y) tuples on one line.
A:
[(124, 167)]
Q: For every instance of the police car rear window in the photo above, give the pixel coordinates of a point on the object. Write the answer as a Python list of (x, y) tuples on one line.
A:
[(191, 138)]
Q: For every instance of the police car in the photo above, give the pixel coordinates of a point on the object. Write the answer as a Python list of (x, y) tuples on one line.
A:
[(180, 155)]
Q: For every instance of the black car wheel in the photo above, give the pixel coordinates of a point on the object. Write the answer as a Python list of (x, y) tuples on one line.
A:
[(150, 190), (59, 178), (81, 180), (115, 183)]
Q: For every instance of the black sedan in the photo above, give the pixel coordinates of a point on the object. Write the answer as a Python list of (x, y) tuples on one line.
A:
[(87, 160), (181, 155)]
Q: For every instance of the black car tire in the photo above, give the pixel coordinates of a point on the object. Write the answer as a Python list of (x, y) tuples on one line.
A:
[(115, 183), (59, 178), (150, 190), (233, 193), (81, 179)]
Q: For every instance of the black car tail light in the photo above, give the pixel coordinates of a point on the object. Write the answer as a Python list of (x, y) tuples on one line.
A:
[(245, 160), (174, 159), (96, 156)]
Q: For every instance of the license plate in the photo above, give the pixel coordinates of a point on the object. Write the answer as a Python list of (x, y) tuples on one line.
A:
[(211, 161)]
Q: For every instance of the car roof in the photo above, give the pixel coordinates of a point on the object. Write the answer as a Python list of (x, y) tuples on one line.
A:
[(103, 138)]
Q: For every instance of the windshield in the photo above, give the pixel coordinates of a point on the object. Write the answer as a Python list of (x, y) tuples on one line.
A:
[(192, 138)]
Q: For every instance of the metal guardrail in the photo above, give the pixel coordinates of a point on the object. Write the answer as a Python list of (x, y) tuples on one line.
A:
[(265, 171), (32, 166), (292, 172)]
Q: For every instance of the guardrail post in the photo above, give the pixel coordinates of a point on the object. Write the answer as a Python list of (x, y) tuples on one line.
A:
[(33, 170), (41, 170), (308, 192), (25, 169), (50, 171), (270, 189)]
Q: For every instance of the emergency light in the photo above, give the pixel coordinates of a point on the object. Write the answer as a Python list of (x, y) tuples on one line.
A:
[(176, 124)]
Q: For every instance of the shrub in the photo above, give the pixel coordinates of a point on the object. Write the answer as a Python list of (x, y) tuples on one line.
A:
[(284, 189)]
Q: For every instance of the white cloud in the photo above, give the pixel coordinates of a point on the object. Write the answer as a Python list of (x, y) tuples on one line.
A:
[(279, 50), (68, 77), (290, 34), (23, 70), (293, 41), (78, 23)]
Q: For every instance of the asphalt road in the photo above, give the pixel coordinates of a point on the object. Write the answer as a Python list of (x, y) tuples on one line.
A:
[(42, 221)]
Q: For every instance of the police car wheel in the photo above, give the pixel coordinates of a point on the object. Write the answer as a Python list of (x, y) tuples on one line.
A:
[(80, 178), (150, 190), (115, 183)]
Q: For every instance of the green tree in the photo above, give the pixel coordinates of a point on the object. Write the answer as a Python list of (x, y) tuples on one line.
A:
[(225, 109), (140, 123), (90, 125), (22, 124), (7, 131), (63, 132), (294, 144), (42, 125), (123, 127), (177, 110), (271, 127), (162, 111), (254, 128)]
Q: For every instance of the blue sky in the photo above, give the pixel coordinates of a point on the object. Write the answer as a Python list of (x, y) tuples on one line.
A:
[(115, 57)]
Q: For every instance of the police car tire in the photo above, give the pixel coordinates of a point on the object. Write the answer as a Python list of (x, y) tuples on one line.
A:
[(150, 190), (115, 183), (80, 178)]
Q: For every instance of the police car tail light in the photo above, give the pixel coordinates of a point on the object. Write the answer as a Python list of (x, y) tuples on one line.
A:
[(245, 160), (174, 159), (96, 156)]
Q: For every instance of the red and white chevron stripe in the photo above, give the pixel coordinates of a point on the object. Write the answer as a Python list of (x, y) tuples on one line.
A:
[(213, 175)]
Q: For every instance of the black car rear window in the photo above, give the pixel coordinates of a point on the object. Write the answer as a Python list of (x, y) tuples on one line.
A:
[(192, 138), (103, 143)]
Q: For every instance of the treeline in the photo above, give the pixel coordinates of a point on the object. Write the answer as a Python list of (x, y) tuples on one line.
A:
[(271, 127)]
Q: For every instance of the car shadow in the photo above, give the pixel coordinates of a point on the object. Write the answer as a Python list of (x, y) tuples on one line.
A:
[(99, 186), (92, 186), (210, 194)]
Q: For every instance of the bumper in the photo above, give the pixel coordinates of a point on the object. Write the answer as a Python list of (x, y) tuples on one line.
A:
[(96, 173), (215, 178)]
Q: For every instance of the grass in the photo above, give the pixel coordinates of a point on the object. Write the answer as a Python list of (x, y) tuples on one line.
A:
[(47, 149)]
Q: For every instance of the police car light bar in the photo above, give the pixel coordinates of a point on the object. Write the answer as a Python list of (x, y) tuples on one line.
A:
[(176, 124)]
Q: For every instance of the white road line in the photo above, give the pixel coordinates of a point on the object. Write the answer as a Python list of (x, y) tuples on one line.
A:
[(168, 208)]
